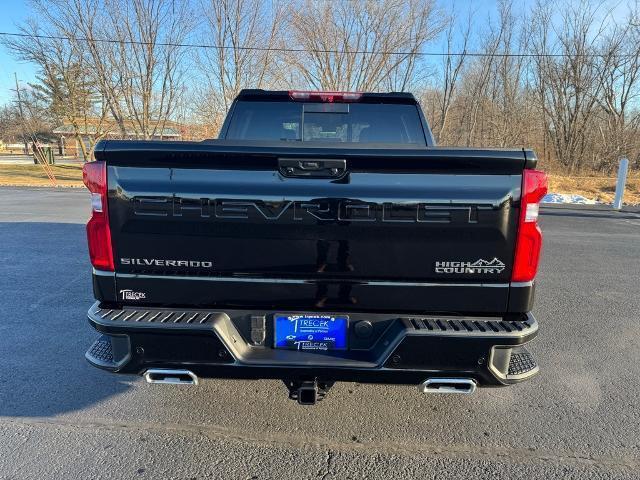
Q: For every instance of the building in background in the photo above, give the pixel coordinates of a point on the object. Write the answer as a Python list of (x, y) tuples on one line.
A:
[(93, 130)]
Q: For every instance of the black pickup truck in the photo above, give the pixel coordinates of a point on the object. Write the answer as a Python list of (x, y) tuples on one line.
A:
[(323, 237)]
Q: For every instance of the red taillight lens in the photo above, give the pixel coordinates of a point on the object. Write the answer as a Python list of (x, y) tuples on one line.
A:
[(94, 176), (529, 239), (329, 97)]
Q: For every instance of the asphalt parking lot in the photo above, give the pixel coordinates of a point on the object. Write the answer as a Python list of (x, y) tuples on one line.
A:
[(61, 418)]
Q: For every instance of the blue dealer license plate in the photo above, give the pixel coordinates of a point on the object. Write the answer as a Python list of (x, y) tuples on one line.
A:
[(311, 332)]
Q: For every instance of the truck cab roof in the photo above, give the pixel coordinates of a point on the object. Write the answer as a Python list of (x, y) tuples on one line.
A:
[(363, 97)]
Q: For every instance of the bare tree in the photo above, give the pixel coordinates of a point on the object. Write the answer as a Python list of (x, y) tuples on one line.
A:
[(243, 34), (476, 85), (10, 131), (360, 45), (131, 48), (569, 85), (147, 59), (451, 71), (618, 113), (64, 84), (26, 118), (505, 121), (83, 24)]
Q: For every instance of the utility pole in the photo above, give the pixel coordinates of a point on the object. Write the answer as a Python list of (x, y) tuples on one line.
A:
[(24, 138)]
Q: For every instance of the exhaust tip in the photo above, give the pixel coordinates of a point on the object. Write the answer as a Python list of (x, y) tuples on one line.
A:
[(461, 386), (170, 377)]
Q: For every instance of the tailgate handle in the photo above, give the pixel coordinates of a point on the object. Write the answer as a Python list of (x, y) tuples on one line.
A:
[(312, 167)]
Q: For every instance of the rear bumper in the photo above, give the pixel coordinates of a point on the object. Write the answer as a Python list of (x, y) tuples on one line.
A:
[(383, 348)]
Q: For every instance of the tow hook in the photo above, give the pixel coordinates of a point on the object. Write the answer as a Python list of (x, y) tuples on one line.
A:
[(307, 392)]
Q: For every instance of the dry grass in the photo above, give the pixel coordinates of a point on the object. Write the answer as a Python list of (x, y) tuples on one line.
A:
[(34, 176), (601, 189), (593, 187)]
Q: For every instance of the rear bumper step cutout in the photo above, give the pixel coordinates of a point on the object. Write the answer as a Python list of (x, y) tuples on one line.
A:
[(512, 364), (109, 352), (101, 351)]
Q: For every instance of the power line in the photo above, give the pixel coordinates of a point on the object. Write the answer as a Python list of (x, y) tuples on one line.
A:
[(300, 50)]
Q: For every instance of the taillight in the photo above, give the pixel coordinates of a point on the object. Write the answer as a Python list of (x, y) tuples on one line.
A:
[(329, 97), (529, 238), (94, 176)]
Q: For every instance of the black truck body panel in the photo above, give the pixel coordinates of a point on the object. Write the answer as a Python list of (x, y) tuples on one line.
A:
[(369, 240), (416, 242), (261, 155)]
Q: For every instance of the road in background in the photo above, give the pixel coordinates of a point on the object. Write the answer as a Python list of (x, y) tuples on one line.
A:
[(28, 160), (61, 418)]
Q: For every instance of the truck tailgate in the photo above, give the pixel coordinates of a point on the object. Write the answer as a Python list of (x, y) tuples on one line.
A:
[(399, 229)]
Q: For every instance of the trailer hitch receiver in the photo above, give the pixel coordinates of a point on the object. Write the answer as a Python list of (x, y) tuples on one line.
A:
[(307, 392)]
